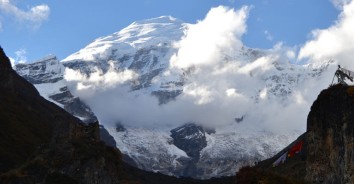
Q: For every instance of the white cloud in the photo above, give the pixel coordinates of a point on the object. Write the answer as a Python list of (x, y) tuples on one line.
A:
[(291, 54), (35, 15), (222, 83), (335, 42), (20, 57), (340, 3), (97, 81), (203, 100), (219, 33)]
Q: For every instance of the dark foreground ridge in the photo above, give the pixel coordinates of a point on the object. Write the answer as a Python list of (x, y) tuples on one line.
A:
[(327, 154), (42, 143)]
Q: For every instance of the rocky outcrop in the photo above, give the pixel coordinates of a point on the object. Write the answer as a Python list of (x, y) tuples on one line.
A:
[(74, 105), (42, 143), (327, 155), (47, 75), (330, 124), (191, 139), (46, 70)]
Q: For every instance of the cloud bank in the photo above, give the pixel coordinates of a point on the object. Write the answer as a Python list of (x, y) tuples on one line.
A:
[(335, 42), (34, 15), (222, 83), (203, 47), (20, 57), (208, 40), (340, 3)]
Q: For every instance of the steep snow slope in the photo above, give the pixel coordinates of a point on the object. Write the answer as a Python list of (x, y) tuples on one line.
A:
[(47, 76), (46, 70), (144, 47), (138, 35)]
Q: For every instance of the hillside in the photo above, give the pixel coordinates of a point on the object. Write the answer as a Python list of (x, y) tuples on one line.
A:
[(42, 143), (327, 150)]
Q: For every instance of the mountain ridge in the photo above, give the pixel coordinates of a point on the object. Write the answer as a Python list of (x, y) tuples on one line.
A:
[(230, 147), (35, 130)]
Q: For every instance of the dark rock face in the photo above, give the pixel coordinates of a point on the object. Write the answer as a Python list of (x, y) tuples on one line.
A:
[(330, 124), (106, 137), (17, 141), (166, 96), (120, 127), (191, 139), (327, 155), (42, 143), (74, 105)]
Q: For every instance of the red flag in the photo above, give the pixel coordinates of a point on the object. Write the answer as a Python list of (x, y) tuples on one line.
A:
[(295, 149)]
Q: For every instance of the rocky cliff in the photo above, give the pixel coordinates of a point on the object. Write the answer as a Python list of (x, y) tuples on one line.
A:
[(327, 155), (42, 143), (46, 75), (330, 124)]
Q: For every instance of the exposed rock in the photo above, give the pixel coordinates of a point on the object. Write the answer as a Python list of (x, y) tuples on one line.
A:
[(327, 155), (74, 105), (166, 96), (330, 124), (120, 127), (106, 137), (41, 142), (191, 139), (46, 70), (47, 76)]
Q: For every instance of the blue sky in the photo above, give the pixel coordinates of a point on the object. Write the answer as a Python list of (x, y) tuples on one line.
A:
[(34, 29)]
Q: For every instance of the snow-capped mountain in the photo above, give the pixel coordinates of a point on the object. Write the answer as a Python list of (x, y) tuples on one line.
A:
[(47, 76), (144, 47), (188, 149)]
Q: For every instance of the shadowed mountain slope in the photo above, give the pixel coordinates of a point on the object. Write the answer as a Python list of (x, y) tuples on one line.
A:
[(327, 155), (42, 143)]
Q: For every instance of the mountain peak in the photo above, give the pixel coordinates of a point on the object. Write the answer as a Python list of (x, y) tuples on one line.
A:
[(161, 19), (140, 34), (46, 58), (5, 61)]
